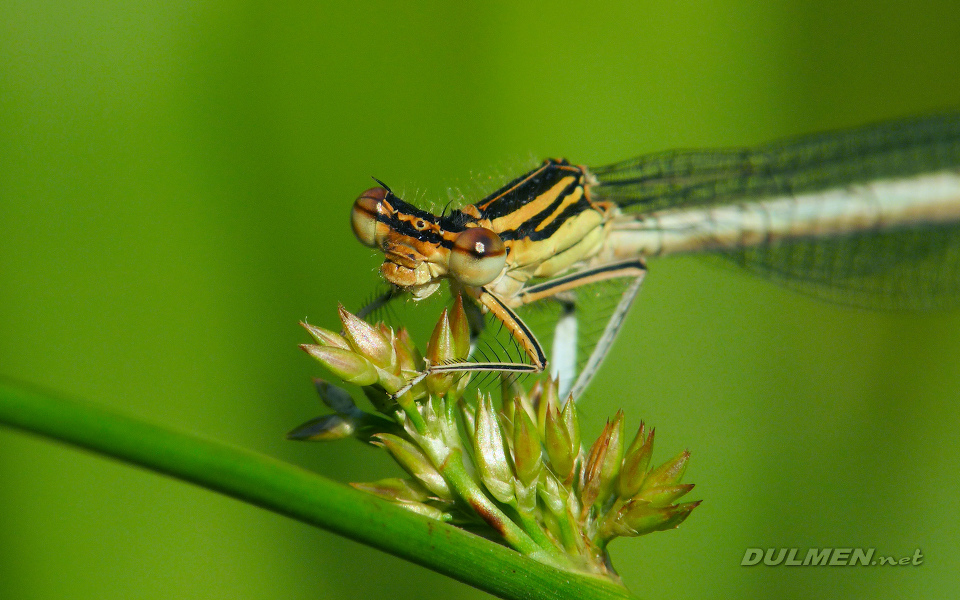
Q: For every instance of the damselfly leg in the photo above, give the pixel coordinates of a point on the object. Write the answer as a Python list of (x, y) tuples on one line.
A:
[(563, 357)]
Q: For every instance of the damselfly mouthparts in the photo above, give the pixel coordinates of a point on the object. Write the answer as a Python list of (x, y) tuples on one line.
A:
[(865, 216)]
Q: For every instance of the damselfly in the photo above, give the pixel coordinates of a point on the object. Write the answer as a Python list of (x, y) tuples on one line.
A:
[(865, 216)]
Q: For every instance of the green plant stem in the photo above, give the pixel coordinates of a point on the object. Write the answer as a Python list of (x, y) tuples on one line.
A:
[(570, 536), (535, 531), (410, 410), (297, 493)]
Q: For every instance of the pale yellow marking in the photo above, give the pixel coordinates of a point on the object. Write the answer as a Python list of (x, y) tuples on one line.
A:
[(572, 198), (532, 208)]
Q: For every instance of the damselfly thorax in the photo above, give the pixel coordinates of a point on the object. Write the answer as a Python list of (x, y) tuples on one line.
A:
[(866, 216)]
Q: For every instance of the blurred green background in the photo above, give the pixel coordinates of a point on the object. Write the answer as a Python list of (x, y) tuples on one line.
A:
[(175, 182)]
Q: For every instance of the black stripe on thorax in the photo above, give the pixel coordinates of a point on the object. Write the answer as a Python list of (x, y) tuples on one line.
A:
[(526, 188), (501, 203), (529, 228)]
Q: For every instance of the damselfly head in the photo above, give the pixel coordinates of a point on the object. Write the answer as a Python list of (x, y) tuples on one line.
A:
[(410, 239), (418, 249)]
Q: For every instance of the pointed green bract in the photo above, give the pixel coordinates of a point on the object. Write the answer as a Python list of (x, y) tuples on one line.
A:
[(416, 463), (396, 489), (571, 421), (367, 340), (527, 454), (491, 457), (460, 329), (441, 350), (345, 364), (409, 358), (664, 494), (591, 475), (559, 446), (325, 337), (644, 518), (610, 466), (449, 343), (635, 462), (668, 473)]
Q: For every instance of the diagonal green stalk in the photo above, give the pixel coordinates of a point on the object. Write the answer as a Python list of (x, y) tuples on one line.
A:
[(297, 493), (569, 535), (535, 531), (456, 475)]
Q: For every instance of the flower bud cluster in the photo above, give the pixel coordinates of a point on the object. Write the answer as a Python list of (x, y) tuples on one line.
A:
[(519, 470)]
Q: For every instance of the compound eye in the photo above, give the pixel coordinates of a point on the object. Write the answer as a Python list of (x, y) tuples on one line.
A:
[(477, 257), (363, 217)]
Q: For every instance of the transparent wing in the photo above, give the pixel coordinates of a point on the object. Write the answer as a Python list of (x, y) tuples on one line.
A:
[(905, 269), (687, 178)]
